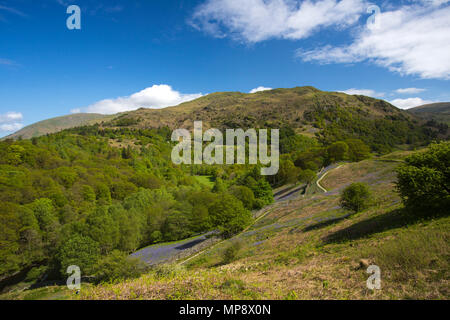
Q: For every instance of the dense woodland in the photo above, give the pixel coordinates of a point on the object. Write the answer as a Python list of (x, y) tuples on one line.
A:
[(86, 194)]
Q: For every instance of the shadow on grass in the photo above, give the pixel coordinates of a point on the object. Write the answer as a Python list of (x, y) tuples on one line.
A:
[(39, 285), (189, 244), (394, 219), (325, 223)]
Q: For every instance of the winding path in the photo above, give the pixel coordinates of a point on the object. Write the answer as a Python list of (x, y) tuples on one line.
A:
[(327, 171)]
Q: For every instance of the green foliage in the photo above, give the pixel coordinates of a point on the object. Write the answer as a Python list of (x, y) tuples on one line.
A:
[(244, 194), (292, 142), (357, 150), (117, 266), (262, 191), (45, 213), (80, 251), (36, 273), (424, 180), (14, 155), (287, 173), (356, 197), (121, 189), (66, 176), (231, 252), (312, 159), (229, 214), (156, 236), (88, 193), (380, 133), (219, 186), (337, 151), (103, 229), (176, 227), (307, 176), (146, 180), (9, 237)]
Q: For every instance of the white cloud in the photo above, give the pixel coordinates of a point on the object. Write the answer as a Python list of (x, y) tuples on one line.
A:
[(409, 103), (10, 117), (11, 127), (410, 90), (260, 89), (363, 92), (157, 96), (11, 121), (412, 40), (258, 20), (432, 2)]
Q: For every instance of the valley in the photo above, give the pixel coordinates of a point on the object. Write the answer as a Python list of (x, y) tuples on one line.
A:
[(307, 247), (108, 198)]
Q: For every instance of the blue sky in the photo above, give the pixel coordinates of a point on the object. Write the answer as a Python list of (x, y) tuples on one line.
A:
[(132, 53)]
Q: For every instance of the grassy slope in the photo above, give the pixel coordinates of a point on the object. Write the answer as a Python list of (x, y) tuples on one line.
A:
[(263, 109), (272, 108), (437, 111), (58, 124), (294, 252), (307, 249)]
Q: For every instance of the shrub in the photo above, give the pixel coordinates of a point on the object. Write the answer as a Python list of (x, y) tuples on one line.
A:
[(337, 151), (229, 214), (244, 194), (307, 176), (156, 236), (230, 253), (424, 180), (80, 251), (118, 266), (88, 193), (259, 204), (36, 273), (356, 197), (357, 150)]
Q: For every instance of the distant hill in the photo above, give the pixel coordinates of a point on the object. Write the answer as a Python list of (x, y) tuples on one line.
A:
[(58, 124), (329, 116), (271, 108), (434, 111)]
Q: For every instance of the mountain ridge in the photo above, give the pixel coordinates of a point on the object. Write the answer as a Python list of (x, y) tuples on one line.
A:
[(439, 112), (308, 110), (57, 124)]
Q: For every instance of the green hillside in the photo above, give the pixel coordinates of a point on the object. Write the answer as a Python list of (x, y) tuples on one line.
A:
[(306, 247), (329, 116), (439, 112), (102, 195), (436, 108), (58, 124)]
